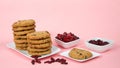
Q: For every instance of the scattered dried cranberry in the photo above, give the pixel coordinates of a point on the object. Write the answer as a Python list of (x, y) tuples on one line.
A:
[(49, 62), (66, 63), (57, 60), (35, 56), (35, 59), (38, 61), (33, 62), (62, 61), (52, 59)]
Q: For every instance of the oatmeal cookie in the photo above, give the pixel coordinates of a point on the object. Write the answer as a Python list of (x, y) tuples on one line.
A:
[(24, 32), (45, 45), (23, 28), (21, 48), (20, 37), (22, 23), (21, 45), (21, 41), (47, 40), (40, 53), (38, 35), (80, 54), (38, 50)]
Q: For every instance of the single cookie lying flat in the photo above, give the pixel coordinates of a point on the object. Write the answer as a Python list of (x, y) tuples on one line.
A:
[(80, 54)]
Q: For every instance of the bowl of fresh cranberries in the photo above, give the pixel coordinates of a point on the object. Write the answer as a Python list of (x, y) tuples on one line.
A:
[(67, 40), (99, 44)]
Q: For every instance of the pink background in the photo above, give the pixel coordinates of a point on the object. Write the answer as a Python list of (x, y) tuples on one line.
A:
[(86, 18)]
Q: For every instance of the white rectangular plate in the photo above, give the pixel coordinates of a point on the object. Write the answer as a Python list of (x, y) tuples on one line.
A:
[(66, 54), (25, 53)]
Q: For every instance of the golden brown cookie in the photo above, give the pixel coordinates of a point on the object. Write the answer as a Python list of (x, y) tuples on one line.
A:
[(23, 28), (20, 37), (21, 41), (21, 45), (40, 45), (24, 32), (80, 54), (38, 50), (87, 54), (40, 53), (38, 35), (22, 23), (42, 41), (21, 48)]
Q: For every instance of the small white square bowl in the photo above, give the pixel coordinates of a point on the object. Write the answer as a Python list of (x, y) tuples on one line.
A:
[(67, 44), (97, 47)]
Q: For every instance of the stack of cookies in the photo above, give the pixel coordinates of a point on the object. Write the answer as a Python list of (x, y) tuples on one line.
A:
[(39, 43), (20, 30)]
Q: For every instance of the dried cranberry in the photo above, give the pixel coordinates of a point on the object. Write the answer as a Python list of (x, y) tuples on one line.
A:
[(57, 60), (38, 61), (35, 59), (67, 37), (65, 33), (105, 43), (62, 61), (49, 62), (66, 63), (98, 42), (52, 59), (71, 34), (35, 56), (33, 62)]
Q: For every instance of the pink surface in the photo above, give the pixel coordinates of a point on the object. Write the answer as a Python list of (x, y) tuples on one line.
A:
[(85, 18)]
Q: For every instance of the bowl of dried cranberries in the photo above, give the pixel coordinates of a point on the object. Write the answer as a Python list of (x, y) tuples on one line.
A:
[(99, 44), (67, 40)]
